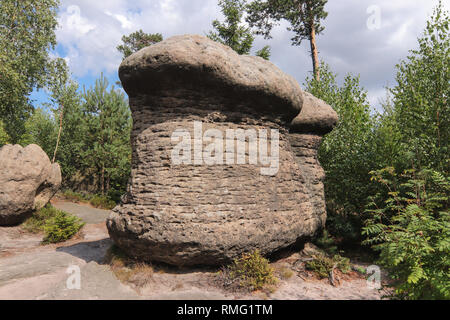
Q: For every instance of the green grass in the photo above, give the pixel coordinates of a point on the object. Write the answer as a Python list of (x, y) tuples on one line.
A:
[(35, 223), (322, 265), (361, 270), (75, 196), (103, 202), (251, 272), (97, 201), (57, 225)]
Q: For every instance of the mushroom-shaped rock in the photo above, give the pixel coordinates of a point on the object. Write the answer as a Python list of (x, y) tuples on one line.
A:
[(28, 180), (214, 173)]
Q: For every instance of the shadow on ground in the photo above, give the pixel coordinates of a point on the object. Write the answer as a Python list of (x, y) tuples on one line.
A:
[(88, 251)]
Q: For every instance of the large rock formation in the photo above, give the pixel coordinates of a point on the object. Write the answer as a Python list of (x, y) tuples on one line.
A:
[(204, 207), (28, 180)]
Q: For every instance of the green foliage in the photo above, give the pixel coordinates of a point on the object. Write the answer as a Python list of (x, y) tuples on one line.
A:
[(323, 265), (57, 225), (410, 226), (27, 34), (67, 98), (302, 16), (40, 129), (420, 98), (408, 134), (103, 202), (408, 217), (96, 200), (37, 221), (4, 137), (136, 41), (348, 153), (232, 32), (94, 147), (106, 126), (326, 243), (61, 227), (76, 196), (252, 271), (361, 270), (264, 53)]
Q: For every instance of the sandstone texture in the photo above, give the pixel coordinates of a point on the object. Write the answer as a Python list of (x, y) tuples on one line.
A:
[(28, 180), (198, 213)]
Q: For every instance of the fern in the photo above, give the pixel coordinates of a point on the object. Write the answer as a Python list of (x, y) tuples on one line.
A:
[(409, 225)]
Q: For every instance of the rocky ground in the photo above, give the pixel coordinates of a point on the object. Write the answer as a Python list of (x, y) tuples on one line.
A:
[(29, 270)]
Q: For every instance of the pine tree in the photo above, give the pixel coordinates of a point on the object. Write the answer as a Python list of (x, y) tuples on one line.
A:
[(304, 16), (107, 125), (232, 32), (136, 41)]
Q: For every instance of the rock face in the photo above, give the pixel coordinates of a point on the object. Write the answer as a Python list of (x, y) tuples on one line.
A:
[(28, 180), (220, 196)]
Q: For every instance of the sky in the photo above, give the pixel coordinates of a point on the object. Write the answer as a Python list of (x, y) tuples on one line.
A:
[(361, 37)]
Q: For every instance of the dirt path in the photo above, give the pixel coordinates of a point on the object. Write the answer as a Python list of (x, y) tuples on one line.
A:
[(84, 211), (29, 270)]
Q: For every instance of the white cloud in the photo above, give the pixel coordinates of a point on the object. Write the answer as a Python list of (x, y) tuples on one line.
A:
[(124, 22), (74, 22), (90, 31)]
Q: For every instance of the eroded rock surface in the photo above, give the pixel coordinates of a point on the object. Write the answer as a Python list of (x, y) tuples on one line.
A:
[(28, 180), (195, 212)]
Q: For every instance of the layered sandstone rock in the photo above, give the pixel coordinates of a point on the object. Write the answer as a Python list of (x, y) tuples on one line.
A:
[(207, 208), (28, 180)]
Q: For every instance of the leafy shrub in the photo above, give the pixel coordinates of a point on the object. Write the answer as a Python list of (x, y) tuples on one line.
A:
[(4, 138), (57, 225), (348, 153), (37, 221), (251, 272), (75, 196), (361, 270), (115, 193), (61, 227), (323, 265), (326, 243), (410, 227), (104, 202)]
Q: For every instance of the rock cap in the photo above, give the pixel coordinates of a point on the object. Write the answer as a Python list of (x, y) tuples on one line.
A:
[(316, 117), (199, 64)]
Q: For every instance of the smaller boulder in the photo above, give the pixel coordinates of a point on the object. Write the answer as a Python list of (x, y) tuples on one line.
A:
[(28, 180), (316, 117)]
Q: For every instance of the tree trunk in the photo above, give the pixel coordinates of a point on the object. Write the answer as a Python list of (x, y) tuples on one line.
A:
[(103, 180), (59, 133), (314, 53)]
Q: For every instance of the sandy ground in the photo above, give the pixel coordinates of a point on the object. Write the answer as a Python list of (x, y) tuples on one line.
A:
[(29, 270)]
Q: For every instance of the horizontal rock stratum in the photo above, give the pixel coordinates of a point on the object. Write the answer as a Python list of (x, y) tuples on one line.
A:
[(28, 180), (197, 212)]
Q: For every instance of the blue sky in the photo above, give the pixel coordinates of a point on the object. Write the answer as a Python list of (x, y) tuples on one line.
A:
[(353, 42)]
